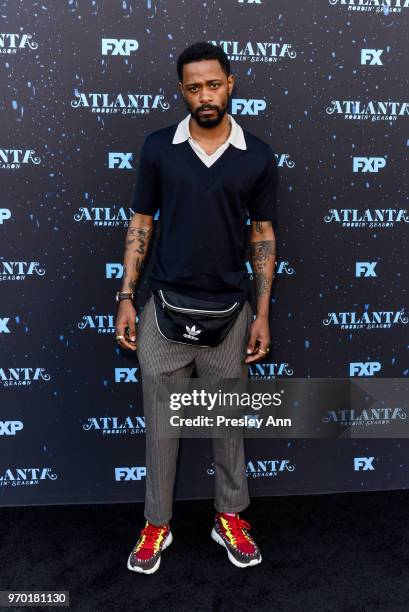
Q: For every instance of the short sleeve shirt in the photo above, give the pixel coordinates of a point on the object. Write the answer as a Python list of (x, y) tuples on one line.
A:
[(204, 212)]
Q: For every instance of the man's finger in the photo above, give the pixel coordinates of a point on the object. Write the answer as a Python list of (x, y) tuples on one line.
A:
[(251, 343), (263, 348), (259, 353), (126, 344), (132, 330), (120, 330), (254, 358)]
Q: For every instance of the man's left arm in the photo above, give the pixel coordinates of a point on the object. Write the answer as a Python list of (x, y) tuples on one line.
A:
[(263, 258)]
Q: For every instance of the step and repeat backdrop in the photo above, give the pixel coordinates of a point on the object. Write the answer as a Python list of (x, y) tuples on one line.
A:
[(82, 83)]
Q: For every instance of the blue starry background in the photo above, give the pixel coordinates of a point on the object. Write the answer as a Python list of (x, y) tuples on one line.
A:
[(37, 87)]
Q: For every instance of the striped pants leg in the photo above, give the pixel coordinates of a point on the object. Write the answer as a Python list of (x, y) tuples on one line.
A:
[(161, 357)]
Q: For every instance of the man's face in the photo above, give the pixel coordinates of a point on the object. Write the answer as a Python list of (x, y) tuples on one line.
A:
[(206, 87)]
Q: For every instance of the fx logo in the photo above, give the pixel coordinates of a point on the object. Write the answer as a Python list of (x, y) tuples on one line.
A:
[(368, 164), (371, 57), (363, 464), (240, 106), (3, 325), (365, 269), (118, 46), (120, 160), (113, 270), (126, 375), (133, 473), (9, 428), (5, 214), (364, 368)]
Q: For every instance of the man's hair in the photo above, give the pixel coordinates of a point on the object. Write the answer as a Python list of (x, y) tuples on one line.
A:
[(202, 51)]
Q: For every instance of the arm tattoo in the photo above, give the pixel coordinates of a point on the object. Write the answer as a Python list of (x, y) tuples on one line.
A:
[(262, 251), (140, 235), (261, 225), (136, 246), (136, 265), (262, 284)]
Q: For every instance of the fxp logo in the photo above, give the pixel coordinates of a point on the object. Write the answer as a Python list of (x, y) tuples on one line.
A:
[(364, 368), (371, 57), (5, 215), (241, 106), (368, 164), (118, 46), (365, 269), (130, 473), (10, 428), (363, 464)]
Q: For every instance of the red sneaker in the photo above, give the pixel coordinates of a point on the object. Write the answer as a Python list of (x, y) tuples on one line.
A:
[(232, 533), (145, 556)]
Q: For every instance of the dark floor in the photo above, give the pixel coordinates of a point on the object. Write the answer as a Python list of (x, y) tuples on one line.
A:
[(345, 552)]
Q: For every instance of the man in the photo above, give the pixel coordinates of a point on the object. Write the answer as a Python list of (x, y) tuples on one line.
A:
[(205, 174)]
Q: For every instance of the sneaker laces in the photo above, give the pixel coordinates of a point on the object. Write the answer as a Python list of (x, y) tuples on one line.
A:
[(236, 524), (151, 533)]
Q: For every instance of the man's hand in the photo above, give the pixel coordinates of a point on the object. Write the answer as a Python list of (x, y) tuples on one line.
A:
[(125, 325), (259, 340)]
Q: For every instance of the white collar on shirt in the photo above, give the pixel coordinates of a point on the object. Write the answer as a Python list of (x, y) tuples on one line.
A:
[(236, 137)]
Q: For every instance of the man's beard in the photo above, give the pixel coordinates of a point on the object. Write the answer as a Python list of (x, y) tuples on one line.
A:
[(211, 120)]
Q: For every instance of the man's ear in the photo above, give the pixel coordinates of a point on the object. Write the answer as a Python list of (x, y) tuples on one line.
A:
[(181, 88)]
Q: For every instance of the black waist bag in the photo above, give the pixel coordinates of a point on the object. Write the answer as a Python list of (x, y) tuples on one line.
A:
[(188, 320)]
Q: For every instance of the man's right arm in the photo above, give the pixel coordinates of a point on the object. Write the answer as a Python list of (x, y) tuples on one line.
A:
[(137, 242), (146, 201)]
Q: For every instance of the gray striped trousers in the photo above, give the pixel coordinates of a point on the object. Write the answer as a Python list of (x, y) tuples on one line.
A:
[(160, 357)]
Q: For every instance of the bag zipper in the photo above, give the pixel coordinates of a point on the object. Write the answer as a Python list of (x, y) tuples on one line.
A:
[(214, 313)]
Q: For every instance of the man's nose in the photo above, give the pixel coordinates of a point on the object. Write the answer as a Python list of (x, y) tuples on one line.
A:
[(205, 96)]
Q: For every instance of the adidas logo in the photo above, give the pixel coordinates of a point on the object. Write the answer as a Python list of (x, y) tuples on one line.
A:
[(192, 332)]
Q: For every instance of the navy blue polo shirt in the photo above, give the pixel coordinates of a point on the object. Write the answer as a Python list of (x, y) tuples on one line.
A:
[(204, 234)]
